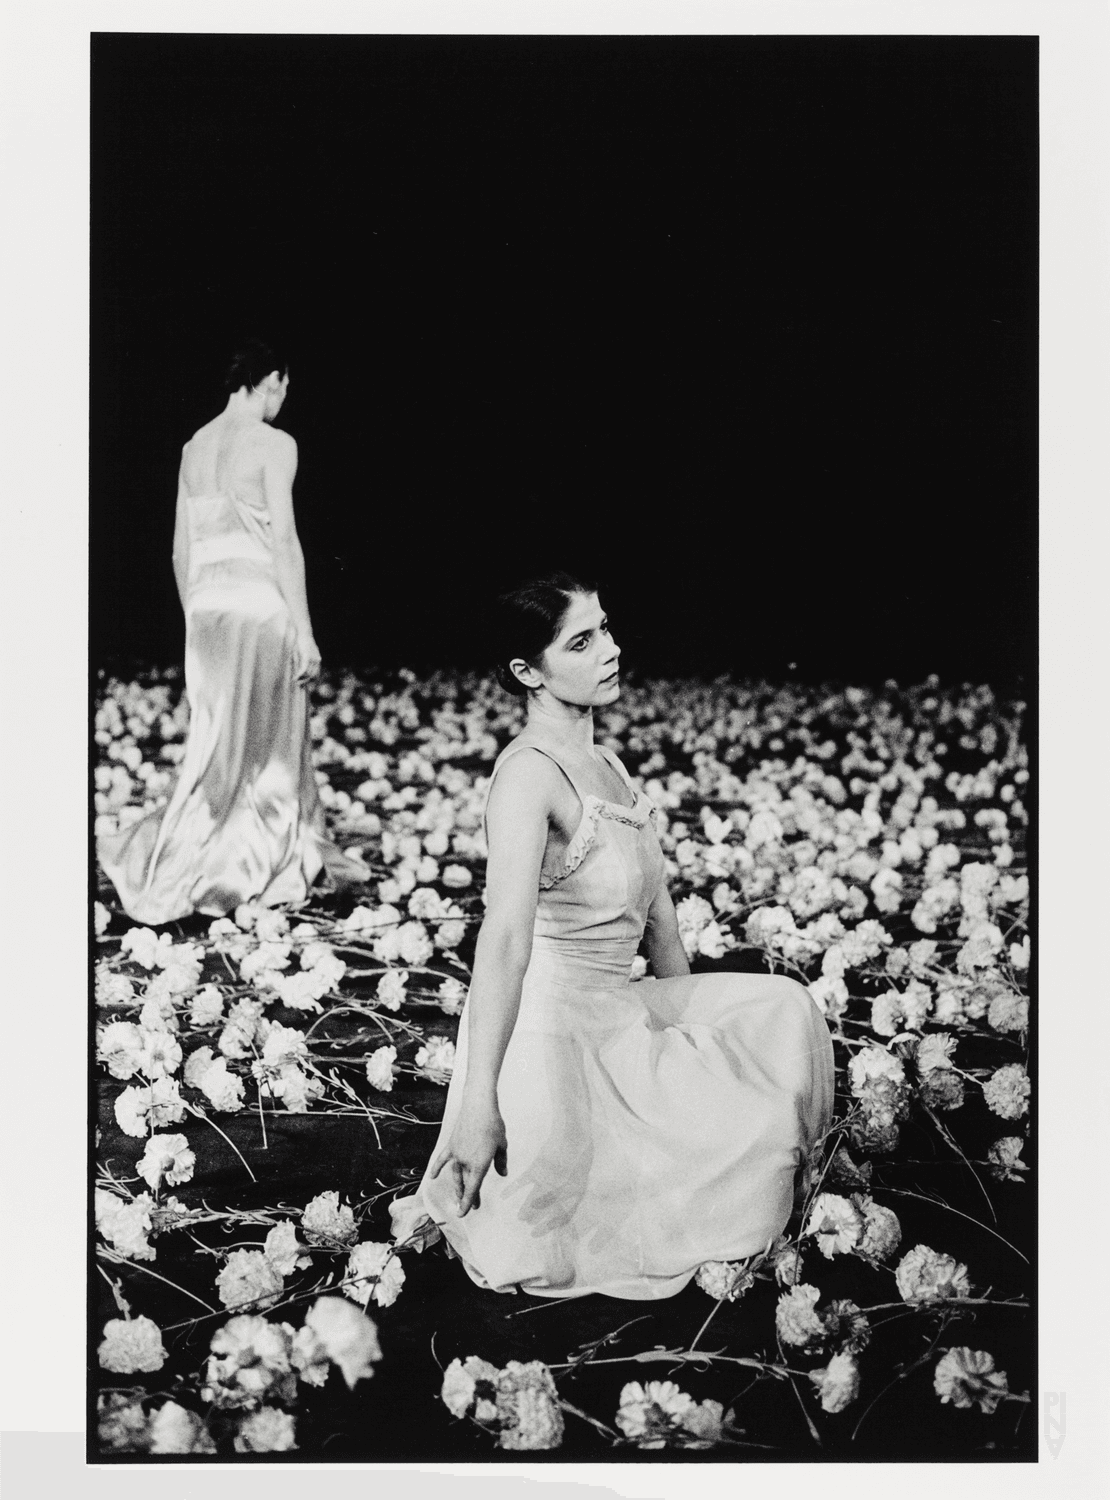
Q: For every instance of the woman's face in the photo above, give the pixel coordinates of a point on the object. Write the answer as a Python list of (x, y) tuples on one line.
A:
[(580, 665)]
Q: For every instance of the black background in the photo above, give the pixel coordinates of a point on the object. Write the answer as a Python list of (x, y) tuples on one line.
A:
[(743, 327)]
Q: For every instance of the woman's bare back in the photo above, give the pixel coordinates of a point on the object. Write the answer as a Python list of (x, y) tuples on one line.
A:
[(227, 456)]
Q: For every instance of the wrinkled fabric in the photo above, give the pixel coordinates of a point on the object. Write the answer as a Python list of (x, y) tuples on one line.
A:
[(651, 1126), (244, 821)]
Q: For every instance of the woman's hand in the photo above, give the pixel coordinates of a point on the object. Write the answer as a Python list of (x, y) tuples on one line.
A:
[(307, 661), (477, 1142)]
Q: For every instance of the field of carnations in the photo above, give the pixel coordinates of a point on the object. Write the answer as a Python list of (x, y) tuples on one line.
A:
[(268, 1082)]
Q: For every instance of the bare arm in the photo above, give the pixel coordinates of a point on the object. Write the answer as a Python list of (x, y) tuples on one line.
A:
[(181, 538), (517, 822), (668, 957), (279, 467)]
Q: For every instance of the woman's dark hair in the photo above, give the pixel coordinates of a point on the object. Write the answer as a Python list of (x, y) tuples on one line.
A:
[(251, 362), (527, 619)]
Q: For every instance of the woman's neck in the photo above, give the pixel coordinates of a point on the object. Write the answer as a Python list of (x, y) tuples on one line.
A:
[(568, 726)]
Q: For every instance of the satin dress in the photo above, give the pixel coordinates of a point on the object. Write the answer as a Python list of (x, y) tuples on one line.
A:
[(651, 1125), (244, 821)]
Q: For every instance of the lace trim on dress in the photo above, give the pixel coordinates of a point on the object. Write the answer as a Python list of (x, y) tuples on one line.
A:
[(593, 809)]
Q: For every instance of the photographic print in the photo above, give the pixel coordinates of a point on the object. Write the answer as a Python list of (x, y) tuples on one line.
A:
[(563, 694)]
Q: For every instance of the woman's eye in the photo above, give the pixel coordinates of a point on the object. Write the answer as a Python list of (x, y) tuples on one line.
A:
[(579, 646)]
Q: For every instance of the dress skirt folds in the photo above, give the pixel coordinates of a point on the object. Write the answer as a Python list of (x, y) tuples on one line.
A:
[(651, 1125), (244, 822)]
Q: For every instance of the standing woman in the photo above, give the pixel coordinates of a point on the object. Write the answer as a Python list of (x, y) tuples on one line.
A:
[(244, 822), (636, 1130)]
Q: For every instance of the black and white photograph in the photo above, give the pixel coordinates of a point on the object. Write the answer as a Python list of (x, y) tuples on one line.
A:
[(554, 624), (563, 555)]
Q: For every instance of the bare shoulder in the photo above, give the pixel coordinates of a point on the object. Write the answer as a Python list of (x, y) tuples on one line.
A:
[(277, 443)]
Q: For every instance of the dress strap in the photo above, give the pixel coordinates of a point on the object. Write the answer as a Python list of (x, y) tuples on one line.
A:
[(528, 745)]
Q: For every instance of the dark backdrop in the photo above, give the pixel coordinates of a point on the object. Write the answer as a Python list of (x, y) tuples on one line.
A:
[(745, 327)]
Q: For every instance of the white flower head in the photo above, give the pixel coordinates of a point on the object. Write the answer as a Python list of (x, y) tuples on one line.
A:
[(379, 1068), (1007, 1091), (836, 1223), (131, 1346), (328, 1222), (139, 1109), (284, 1250), (349, 1337), (528, 1407), (1004, 1159), (120, 1048), (436, 1060), (924, 1275), (967, 1377), (207, 1006), (463, 1381), (379, 1272), (266, 1430), (796, 1317), (391, 988), (167, 1158), (249, 1278), (250, 1358), (126, 1224), (837, 1382), (882, 1232), (726, 1280), (658, 1413), (175, 1429)]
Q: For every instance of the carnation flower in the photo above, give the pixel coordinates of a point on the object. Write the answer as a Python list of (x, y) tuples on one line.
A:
[(166, 1157), (1007, 1091), (113, 989), (238, 1036), (830, 996), (175, 1429), (207, 1007), (456, 877), (837, 1382), (122, 1425), (300, 991), (726, 1280), (934, 1051), (284, 1250), (451, 995), (1008, 1012), (921, 956), (161, 1054), (413, 944), (221, 1087), (145, 947), (379, 1068), (264, 959), (328, 1222), (712, 941), (659, 1413), (250, 1359), (249, 1277), (796, 1318), (942, 1089), (379, 1272), (528, 1407), (125, 1224), (120, 1048), (462, 1381), (436, 1060), (881, 1232), (967, 1376), (1019, 954), (391, 988), (131, 1345), (265, 1431), (924, 1275), (847, 1325), (1004, 1158), (282, 1044), (871, 1064), (836, 1224), (785, 1257), (979, 950), (349, 1337), (138, 1109)]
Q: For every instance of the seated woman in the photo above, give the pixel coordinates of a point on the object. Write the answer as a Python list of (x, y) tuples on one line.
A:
[(244, 822), (636, 1130)]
